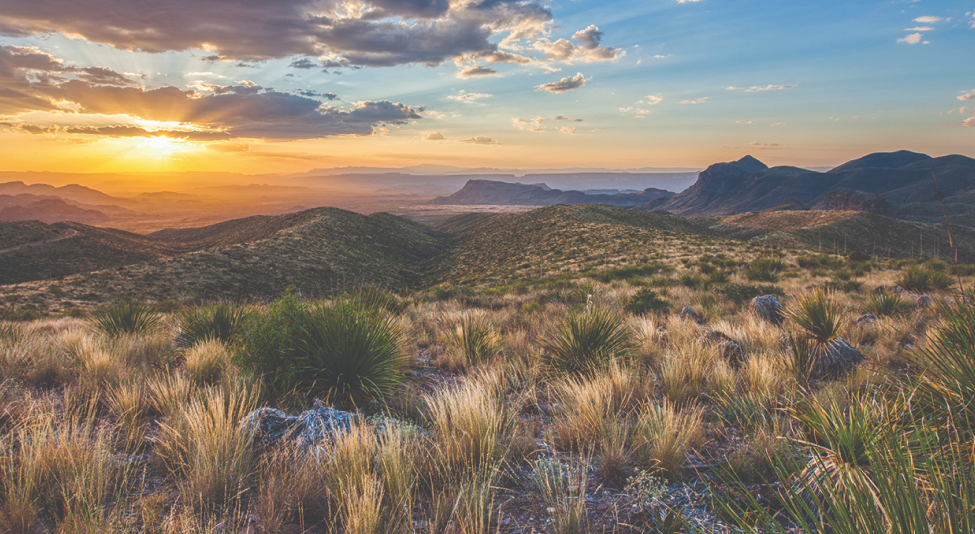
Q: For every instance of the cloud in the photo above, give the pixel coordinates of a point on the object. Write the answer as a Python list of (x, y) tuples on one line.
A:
[(652, 100), (374, 33), (919, 29), (564, 118), (434, 136), (468, 98), (481, 140), (303, 63), (476, 70), (777, 124), (763, 146), (587, 51), (661, 56), (928, 20), (687, 1), (696, 100), (567, 130), (565, 84), (135, 131), (32, 81), (744, 122), (759, 88), (969, 122), (639, 112), (913, 38), (965, 96), (534, 125)]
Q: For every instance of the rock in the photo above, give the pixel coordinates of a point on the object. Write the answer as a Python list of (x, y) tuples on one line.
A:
[(834, 359), (865, 320), (729, 349), (308, 428), (925, 301), (688, 313), (768, 308)]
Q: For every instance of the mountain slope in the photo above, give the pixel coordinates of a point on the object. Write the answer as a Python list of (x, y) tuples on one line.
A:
[(902, 181), (555, 240), (490, 192)]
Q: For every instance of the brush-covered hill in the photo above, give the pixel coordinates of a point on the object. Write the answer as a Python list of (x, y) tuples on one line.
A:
[(491, 192), (848, 231), (897, 184), (315, 251), (562, 240), (23, 232)]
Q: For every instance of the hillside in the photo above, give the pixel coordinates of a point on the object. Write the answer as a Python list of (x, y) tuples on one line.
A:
[(559, 240), (322, 249), (896, 184), (20, 233), (848, 231), (52, 210), (490, 192)]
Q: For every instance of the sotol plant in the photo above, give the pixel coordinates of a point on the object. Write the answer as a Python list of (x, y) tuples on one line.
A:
[(126, 317), (819, 319), (221, 321), (587, 340)]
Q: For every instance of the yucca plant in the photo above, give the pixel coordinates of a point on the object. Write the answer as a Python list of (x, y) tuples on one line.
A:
[(820, 319), (126, 317), (587, 340), (887, 305), (222, 321), (348, 352)]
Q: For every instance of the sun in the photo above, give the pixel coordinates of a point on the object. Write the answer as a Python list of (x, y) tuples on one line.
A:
[(161, 146)]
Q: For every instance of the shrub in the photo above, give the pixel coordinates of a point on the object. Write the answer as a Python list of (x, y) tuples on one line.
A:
[(587, 340), (887, 305), (765, 270), (340, 351), (221, 321), (921, 280), (470, 342), (563, 490), (126, 317), (741, 293), (646, 301), (206, 362), (819, 318), (664, 435)]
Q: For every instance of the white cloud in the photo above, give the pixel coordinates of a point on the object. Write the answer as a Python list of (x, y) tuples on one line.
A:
[(468, 98), (913, 38), (687, 1), (652, 100), (661, 56), (481, 140), (476, 70), (927, 20), (965, 96), (919, 29), (696, 100), (567, 130), (639, 112), (744, 122), (760, 88), (969, 122), (565, 84), (587, 51), (534, 125), (434, 136), (778, 124)]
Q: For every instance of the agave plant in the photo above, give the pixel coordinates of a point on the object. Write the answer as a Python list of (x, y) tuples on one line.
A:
[(126, 317), (820, 319), (587, 340), (221, 321)]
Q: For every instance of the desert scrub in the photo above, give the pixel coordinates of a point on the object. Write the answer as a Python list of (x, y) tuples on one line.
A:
[(818, 346), (222, 321), (665, 434), (646, 301), (923, 280), (126, 317), (765, 270), (207, 361), (563, 488), (587, 340), (341, 351), (887, 305), (469, 340)]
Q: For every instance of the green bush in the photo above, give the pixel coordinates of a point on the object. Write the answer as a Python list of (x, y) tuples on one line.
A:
[(587, 340), (921, 280), (341, 351), (741, 293), (221, 321), (887, 305), (646, 301), (819, 316), (125, 317)]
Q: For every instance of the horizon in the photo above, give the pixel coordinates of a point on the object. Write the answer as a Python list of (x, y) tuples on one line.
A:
[(502, 85)]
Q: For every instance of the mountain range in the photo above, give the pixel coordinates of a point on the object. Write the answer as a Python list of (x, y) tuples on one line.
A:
[(490, 192)]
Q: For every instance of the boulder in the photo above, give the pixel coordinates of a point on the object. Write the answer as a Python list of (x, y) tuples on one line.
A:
[(688, 313), (768, 308), (729, 349), (924, 301), (306, 429)]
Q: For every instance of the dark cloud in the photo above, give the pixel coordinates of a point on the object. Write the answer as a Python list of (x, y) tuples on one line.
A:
[(135, 131), (565, 84), (33, 81), (303, 63), (435, 136), (311, 93), (381, 33), (477, 70)]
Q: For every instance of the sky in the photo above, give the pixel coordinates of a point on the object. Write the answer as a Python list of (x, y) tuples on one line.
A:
[(254, 86)]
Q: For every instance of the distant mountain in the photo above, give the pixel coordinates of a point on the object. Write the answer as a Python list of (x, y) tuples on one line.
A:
[(489, 192), (897, 184), (77, 193), (50, 210)]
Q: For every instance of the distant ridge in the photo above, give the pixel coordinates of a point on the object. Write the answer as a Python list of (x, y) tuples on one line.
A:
[(489, 192), (897, 184)]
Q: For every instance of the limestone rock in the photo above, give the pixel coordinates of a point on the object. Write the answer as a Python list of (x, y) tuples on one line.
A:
[(729, 349), (308, 428), (768, 308), (865, 320), (688, 313)]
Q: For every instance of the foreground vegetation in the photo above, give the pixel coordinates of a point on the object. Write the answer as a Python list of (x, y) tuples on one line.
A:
[(584, 401)]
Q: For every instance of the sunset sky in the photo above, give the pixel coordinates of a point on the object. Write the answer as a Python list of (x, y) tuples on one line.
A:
[(286, 86)]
